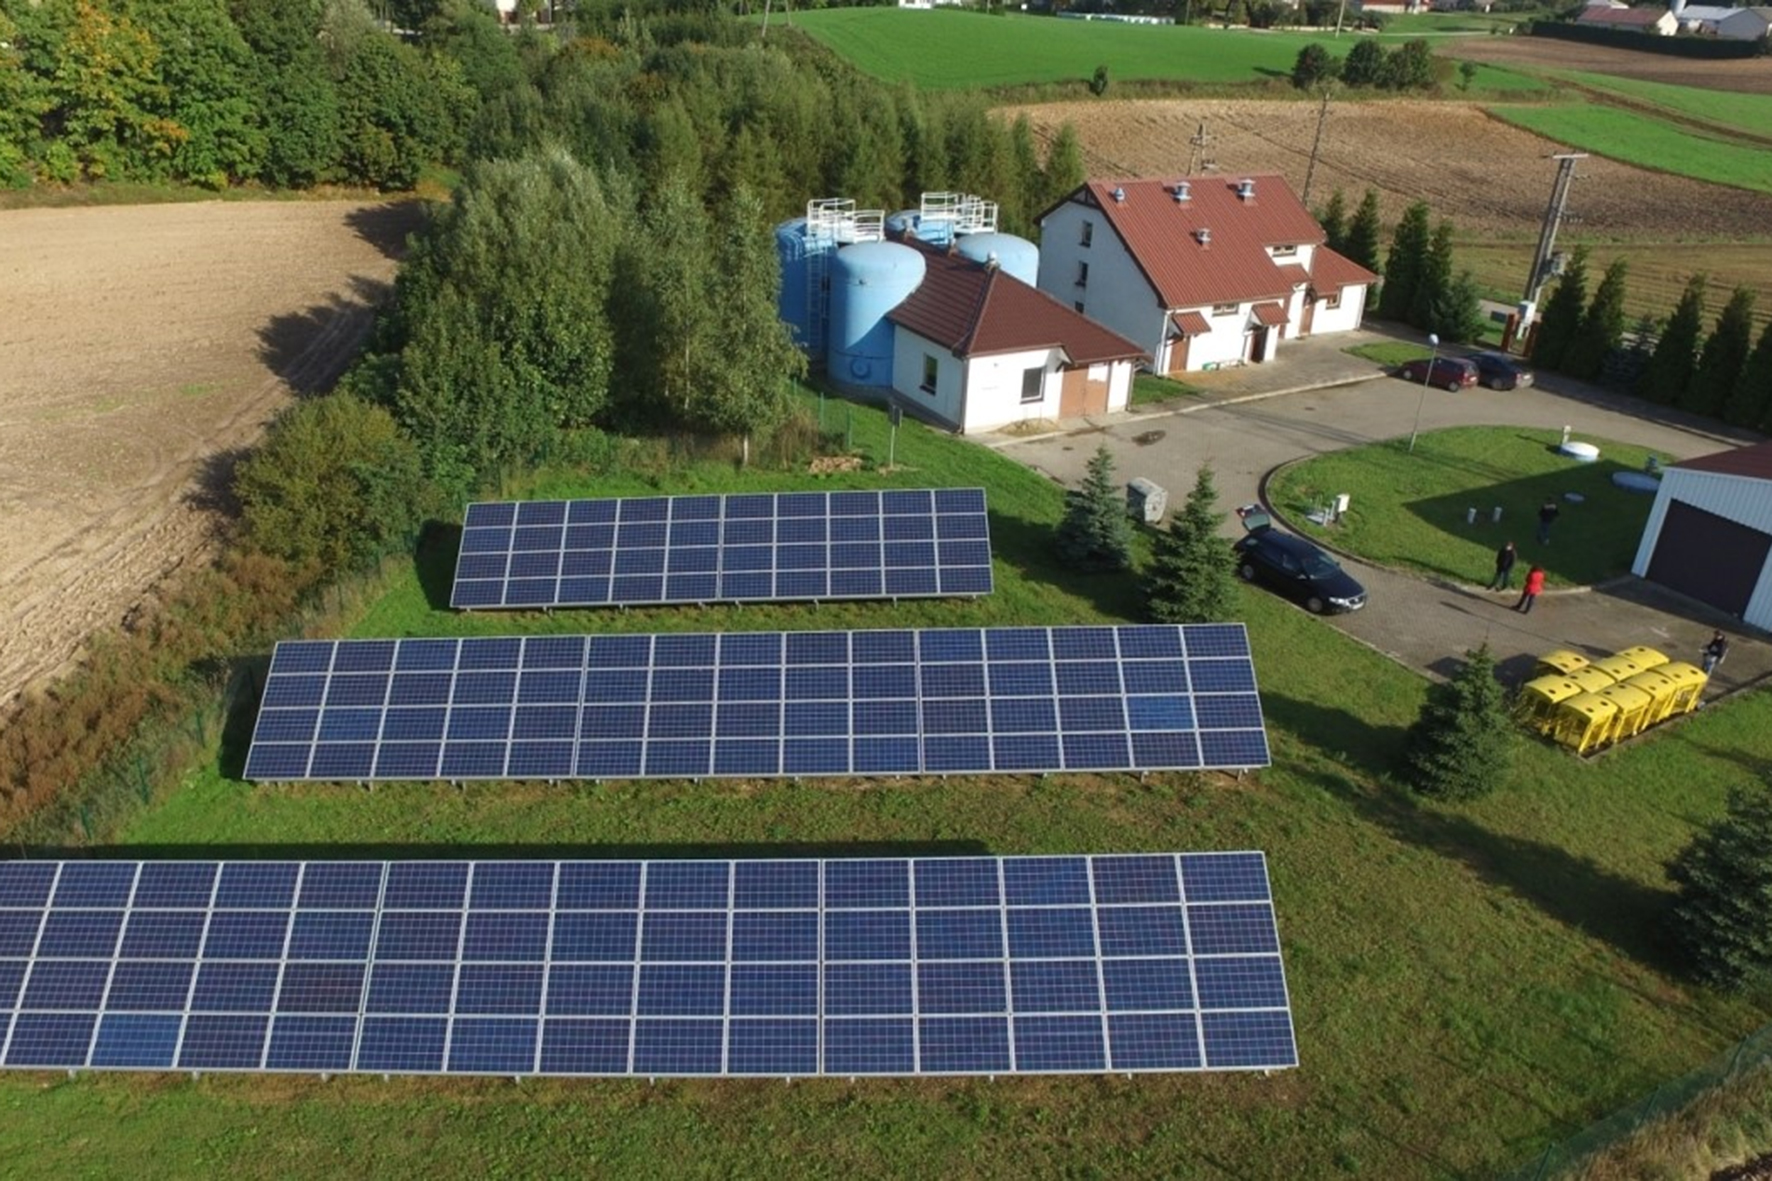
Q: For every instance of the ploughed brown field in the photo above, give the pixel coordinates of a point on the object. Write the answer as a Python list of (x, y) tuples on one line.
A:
[(140, 346)]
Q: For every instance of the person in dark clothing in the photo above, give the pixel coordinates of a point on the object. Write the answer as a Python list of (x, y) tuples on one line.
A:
[(1547, 516), (1504, 567), (1529, 595), (1715, 651)]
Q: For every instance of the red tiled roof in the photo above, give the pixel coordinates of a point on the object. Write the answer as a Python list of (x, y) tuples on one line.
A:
[(972, 309), (1754, 462), (1599, 14), (1295, 274), (1270, 314), (1191, 323), (1162, 235), (1331, 271)]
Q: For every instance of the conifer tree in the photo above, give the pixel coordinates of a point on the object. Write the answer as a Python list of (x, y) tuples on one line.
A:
[(1361, 242), (1458, 313), (1722, 920), (1561, 321), (1750, 404), (1333, 218), (1403, 265), (1432, 280), (1064, 168), (1096, 533), (1460, 744), (1602, 326), (1190, 576), (1676, 353), (1724, 355), (1625, 365)]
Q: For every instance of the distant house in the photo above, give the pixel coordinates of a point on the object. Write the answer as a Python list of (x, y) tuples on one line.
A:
[(1735, 24), (1709, 533), (975, 348), (1654, 21), (1201, 271)]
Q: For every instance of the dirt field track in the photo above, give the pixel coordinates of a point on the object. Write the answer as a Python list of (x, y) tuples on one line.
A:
[(140, 345)]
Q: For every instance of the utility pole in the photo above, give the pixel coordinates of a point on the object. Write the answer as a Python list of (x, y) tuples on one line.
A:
[(1316, 143), (1198, 161), (1340, 12), (1554, 214)]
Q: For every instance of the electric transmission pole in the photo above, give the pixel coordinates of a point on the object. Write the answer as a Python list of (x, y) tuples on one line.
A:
[(1311, 170), (1199, 161), (1554, 214)]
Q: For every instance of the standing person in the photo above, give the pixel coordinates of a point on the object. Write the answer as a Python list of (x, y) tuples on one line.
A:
[(1547, 516), (1504, 567), (1529, 596), (1715, 651)]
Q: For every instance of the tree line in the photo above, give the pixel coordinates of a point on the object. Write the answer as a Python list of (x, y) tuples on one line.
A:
[(1726, 374)]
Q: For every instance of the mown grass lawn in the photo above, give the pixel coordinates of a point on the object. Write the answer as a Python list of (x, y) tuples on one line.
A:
[(1408, 509), (1468, 982), (1648, 143), (1732, 109)]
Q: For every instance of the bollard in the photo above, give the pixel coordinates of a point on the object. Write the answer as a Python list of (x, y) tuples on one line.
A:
[(1495, 516), (1470, 515)]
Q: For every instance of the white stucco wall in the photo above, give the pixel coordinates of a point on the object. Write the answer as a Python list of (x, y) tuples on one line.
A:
[(1117, 295), (1226, 344), (908, 351), (1345, 318), (993, 389)]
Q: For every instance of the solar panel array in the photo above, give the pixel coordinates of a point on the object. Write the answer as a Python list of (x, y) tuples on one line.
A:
[(896, 543), (979, 965), (941, 701)]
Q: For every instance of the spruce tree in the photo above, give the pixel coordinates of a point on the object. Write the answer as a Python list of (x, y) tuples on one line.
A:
[(1433, 279), (1190, 576), (1724, 355), (1403, 265), (1064, 171), (1096, 533), (1625, 365), (1676, 353), (1561, 321), (1750, 404), (1602, 326), (1458, 313), (1461, 743), (1333, 218), (1361, 242), (1722, 920)]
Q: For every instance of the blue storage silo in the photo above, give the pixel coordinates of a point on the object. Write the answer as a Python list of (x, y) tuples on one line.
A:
[(793, 302), (868, 280), (1017, 256)]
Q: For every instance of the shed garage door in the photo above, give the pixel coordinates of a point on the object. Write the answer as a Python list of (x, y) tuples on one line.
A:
[(1711, 558)]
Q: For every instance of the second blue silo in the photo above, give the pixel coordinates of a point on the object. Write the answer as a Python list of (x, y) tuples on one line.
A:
[(868, 280), (794, 303), (1017, 256)]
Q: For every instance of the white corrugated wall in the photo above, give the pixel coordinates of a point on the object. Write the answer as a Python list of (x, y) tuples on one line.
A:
[(1741, 499)]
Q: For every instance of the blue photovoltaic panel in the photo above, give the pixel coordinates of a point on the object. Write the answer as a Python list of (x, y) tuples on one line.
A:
[(885, 544), (939, 701), (878, 966)]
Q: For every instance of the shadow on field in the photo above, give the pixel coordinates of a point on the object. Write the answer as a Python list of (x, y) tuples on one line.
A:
[(309, 349), (387, 226), (733, 851), (434, 558), (1029, 547), (1571, 889), (212, 485)]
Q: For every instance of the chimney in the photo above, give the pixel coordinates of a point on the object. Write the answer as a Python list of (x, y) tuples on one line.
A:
[(1203, 235), (1181, 192), (1246, 189)]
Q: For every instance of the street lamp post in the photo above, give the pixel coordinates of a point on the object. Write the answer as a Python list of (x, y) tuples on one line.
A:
[(1426, 380)]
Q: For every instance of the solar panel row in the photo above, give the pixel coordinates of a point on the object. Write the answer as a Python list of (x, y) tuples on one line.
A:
[(973, 965), (761, 704), (898, 543)]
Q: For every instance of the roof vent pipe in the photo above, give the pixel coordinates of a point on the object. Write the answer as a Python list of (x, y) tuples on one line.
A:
[(1204, 234), (1119, 195), (1246, 189), (1181, 191)]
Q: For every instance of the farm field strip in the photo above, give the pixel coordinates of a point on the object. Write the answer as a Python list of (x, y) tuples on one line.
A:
[(1648, 143), (1748, 113)]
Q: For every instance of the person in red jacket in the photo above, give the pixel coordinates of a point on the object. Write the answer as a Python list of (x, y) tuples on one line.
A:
[(1529, 596)]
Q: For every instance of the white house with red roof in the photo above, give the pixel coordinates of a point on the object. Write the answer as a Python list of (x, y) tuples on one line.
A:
[(1654, 21), (1200, 271), (1709, 533), (975, 348)]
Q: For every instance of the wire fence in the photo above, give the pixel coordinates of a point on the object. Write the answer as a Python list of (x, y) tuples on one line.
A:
[(1565, 1156)]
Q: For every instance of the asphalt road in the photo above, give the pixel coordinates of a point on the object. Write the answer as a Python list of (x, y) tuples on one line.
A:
[(1251, 422)]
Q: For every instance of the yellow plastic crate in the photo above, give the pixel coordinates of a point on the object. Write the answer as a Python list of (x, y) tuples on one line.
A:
[(1634, 707), (1585, 722), (1645, 657), (1691, 681), (1619, 666), (1592, 679), (1561, 661), (1536, 705), (1665, 691)]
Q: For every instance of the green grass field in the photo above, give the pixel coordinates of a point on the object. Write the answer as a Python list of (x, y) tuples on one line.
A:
[(966, 50), (1729, 109), (1409, 509), (1648, 143), (1469, 982)]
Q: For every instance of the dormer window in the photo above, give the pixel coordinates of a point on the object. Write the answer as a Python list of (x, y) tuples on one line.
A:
[(1225, 309), (1285, 251)]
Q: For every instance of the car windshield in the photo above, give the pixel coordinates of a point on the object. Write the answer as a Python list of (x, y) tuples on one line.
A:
[(1318, 564)]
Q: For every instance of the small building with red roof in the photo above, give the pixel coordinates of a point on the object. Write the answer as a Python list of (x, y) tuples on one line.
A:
[(975, 348), (1709, 533), (1199, 271), (1658, 22)]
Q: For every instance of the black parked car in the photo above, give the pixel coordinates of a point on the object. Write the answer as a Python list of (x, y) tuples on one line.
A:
[(1499, 371), (1299, 570)]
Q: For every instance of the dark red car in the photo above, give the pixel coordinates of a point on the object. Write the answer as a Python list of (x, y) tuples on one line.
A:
[(1450, 373)]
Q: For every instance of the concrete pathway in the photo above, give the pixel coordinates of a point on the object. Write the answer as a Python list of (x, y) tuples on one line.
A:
[(1317, 399)]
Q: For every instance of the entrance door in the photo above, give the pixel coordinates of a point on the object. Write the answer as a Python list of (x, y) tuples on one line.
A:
[(1178, 354), (1073, 396), (1711, 558), (1258, 345), (1304, 321)]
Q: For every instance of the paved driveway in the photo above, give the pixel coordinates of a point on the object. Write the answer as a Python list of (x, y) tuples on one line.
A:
[(1257, 418)]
